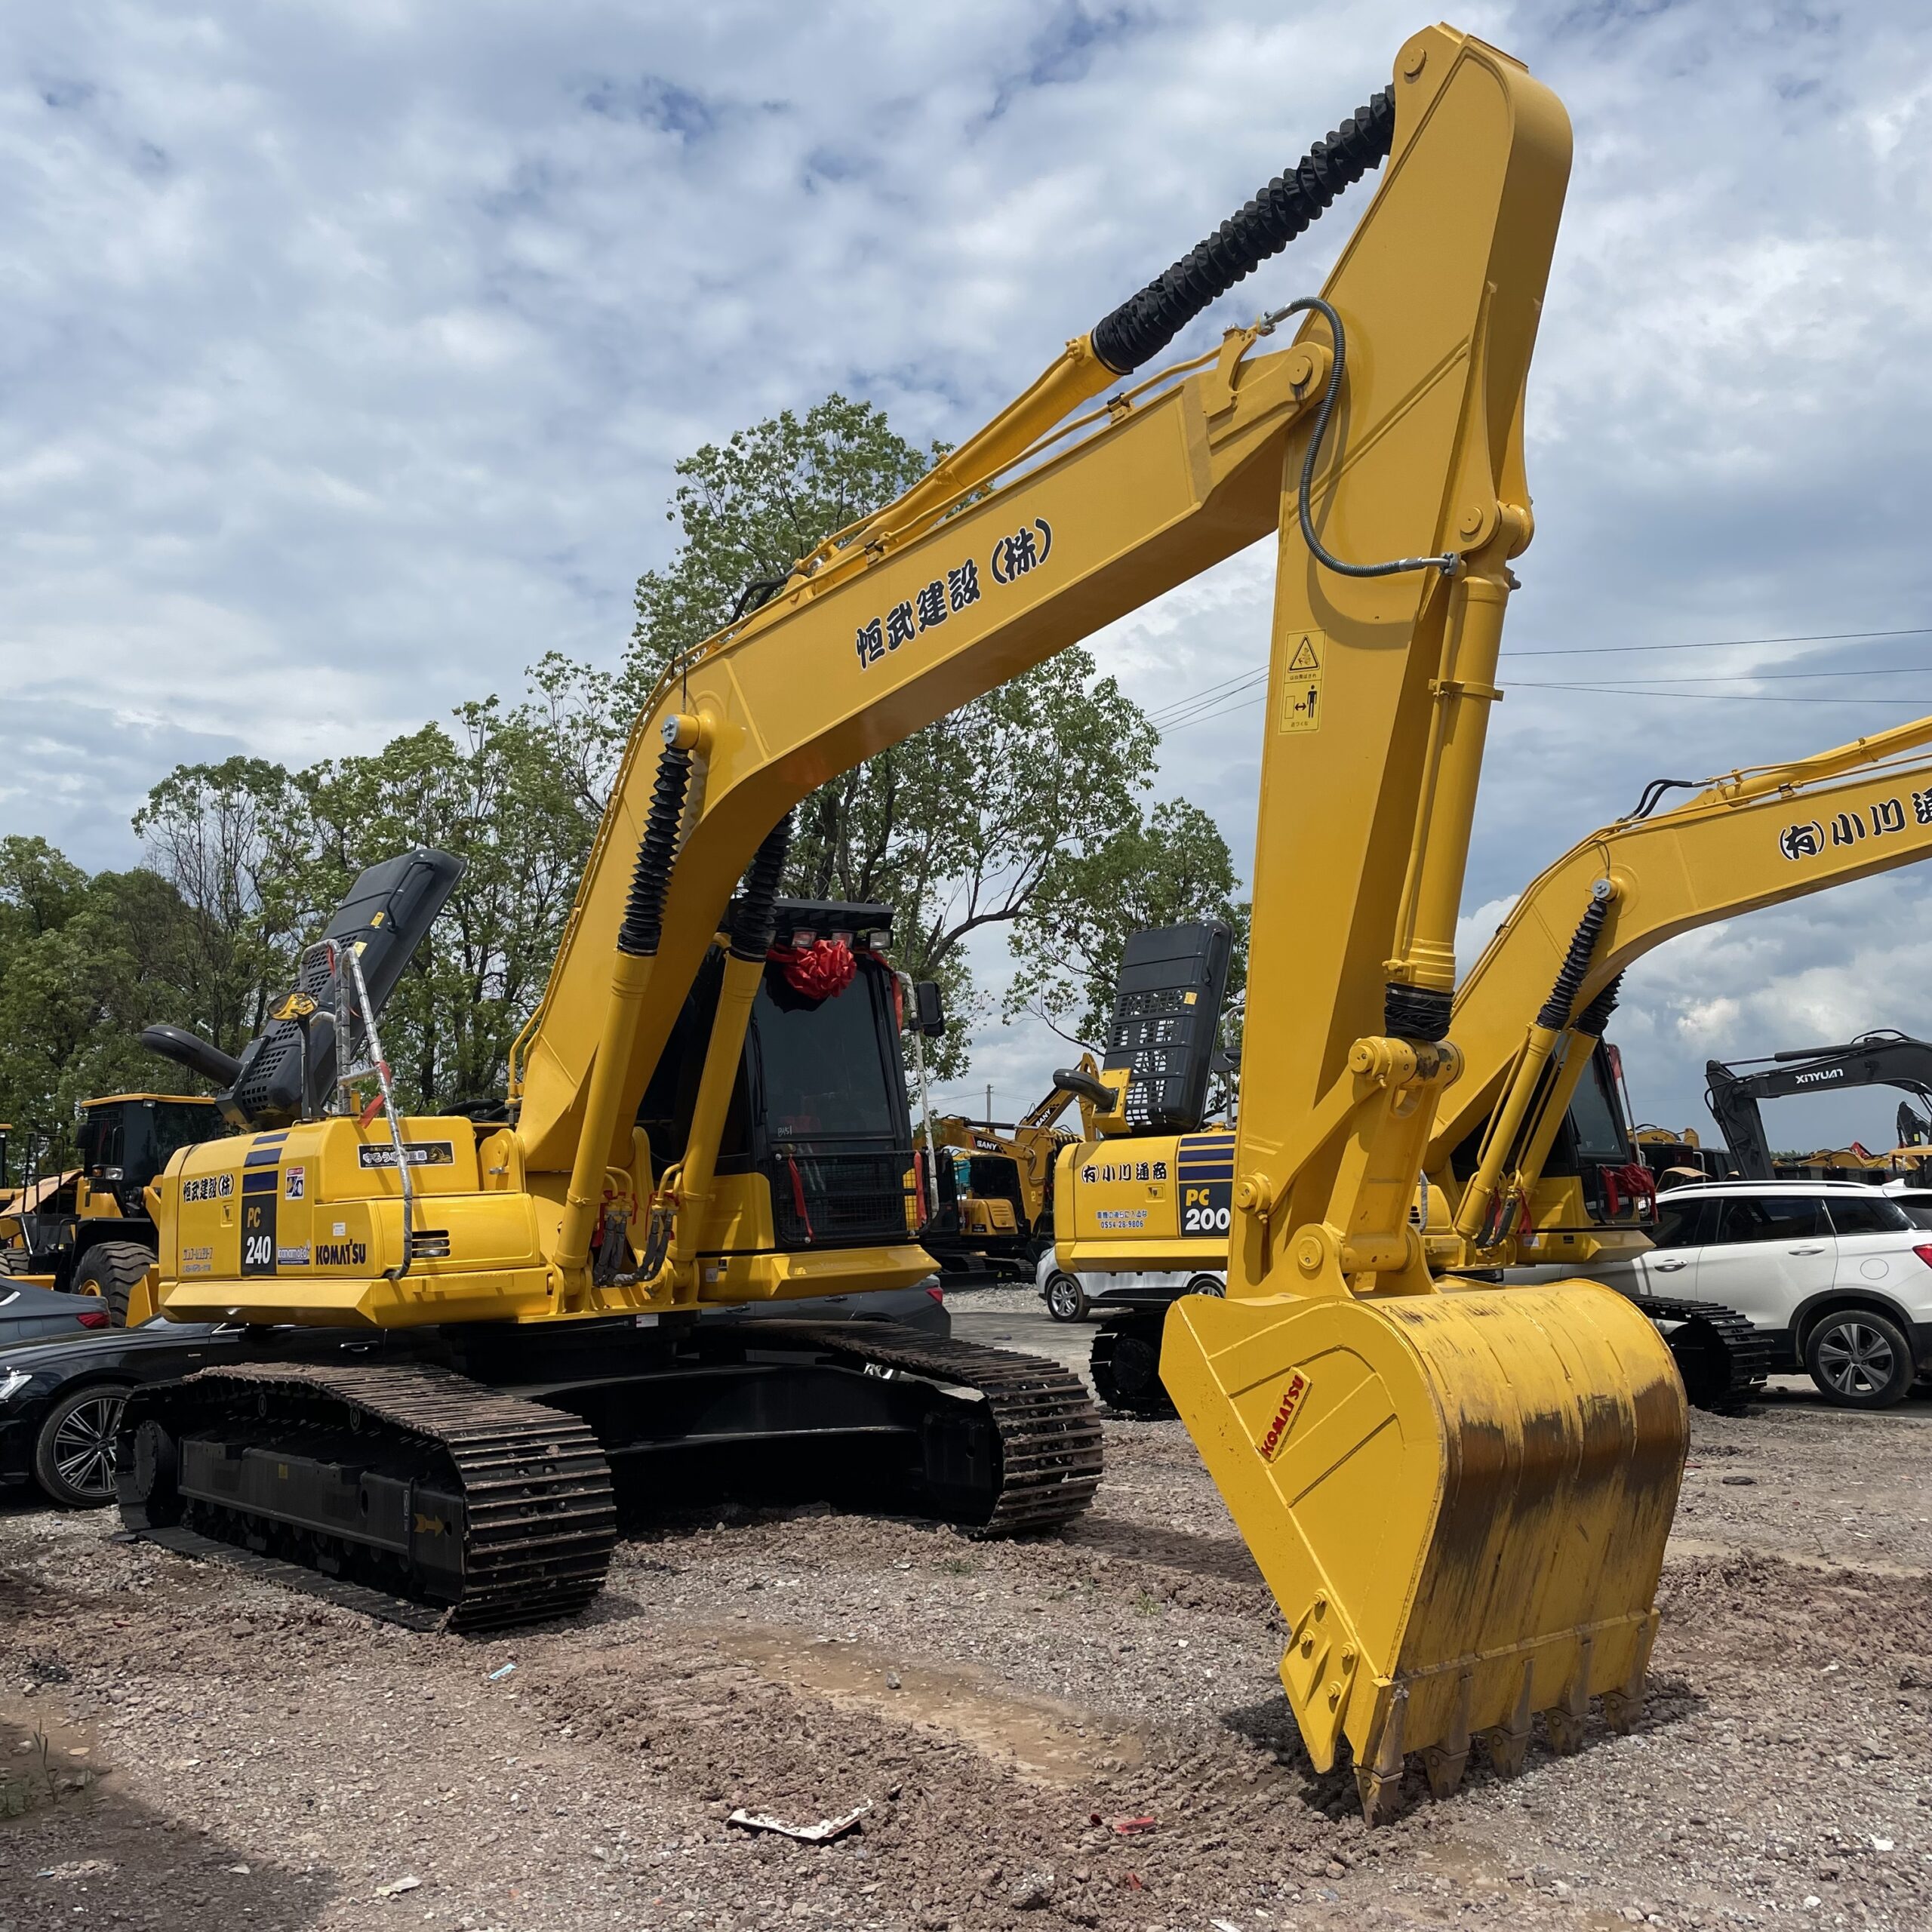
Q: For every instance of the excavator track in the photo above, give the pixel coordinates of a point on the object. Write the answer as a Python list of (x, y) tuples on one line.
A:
[(1723, 1359), (1049, 1462), (407, 1491)]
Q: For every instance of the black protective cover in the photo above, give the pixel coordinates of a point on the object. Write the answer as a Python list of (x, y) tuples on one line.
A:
[(1167, 1022), (387, 912)]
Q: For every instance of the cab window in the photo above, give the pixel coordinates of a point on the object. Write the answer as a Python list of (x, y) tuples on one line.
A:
[(1768, 1217), (1685, 1223)]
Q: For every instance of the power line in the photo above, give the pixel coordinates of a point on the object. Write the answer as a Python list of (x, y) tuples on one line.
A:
[(1749, 677), (1182, 713), (1719, 697), (1600, 691), (1714, 643)]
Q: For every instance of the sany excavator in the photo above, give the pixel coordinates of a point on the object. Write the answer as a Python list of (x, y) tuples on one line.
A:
[(1530, 1163), (1460, 1500), (1000, 1209), (1880, 1059)]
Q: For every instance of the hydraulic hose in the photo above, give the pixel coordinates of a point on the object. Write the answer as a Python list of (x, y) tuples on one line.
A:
[(643, 913), (1146, 323), (1595, 1017), (1446, 561), (638, 938), (1562, 1000)]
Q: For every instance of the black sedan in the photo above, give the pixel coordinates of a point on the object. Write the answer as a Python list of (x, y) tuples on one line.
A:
[(60, 1399), (32, 1314)]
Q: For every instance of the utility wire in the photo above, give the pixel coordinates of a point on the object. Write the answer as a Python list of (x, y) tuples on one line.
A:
[(1714, 643), (1180, 714), (1601, 690)]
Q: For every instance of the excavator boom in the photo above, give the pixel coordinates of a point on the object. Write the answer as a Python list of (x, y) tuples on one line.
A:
[(1752, 840), (1873, 1060)]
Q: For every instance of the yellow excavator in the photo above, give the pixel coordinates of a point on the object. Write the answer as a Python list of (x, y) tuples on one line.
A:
[(1530, 1162), (994, 1194), (1458, 1497)]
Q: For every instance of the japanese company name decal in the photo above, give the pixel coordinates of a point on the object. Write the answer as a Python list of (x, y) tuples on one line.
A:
[(1015, 556), (1879, 820), (208, 1187), (419, 1153)]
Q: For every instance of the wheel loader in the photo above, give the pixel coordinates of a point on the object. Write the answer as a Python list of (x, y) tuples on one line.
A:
[(86, 1229), (1459, 1495)]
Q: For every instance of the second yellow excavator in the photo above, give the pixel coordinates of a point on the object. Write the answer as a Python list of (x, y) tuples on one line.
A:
[(1458, 1497)]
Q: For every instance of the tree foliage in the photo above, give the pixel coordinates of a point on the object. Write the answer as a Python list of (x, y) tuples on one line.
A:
[(84, 964), (1023, 809), (1171, 869), (957, 827)]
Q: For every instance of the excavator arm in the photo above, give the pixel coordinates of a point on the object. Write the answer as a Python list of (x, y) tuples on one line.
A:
[(1873, 1060), (970, 580), (1753, 838)]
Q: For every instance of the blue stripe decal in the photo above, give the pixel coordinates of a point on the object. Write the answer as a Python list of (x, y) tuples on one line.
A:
[(260, 1182), (261, 1157)]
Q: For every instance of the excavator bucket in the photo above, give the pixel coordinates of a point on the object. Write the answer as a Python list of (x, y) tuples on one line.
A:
[(1458, 1500)]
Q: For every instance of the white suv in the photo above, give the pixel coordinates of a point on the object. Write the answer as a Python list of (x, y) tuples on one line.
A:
[(1836, 1276)]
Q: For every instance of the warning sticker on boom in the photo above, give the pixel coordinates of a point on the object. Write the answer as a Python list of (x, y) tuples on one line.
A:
[(1301, 686)]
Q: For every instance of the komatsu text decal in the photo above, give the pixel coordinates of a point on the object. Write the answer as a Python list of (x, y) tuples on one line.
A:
[(1270, 1438)]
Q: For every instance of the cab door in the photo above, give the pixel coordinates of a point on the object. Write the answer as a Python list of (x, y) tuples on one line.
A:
[(1671, 1267), (1770, 1252)]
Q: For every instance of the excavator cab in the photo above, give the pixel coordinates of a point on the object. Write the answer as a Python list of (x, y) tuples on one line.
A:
[(816, 1151)]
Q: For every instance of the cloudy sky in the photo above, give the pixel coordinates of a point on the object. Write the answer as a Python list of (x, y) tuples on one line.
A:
[(347, 348)]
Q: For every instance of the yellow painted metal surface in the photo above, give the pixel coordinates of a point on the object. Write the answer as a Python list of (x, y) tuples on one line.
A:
[(1745, 843), (1461, 1515)]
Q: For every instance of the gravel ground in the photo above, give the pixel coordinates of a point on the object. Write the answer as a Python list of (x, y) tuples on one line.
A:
[(185, 1746)]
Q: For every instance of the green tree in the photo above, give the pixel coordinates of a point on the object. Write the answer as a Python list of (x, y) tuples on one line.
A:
[(514, 793), (229, 839), (1171, 867), (957, 827), (748, 510), (84, 964)]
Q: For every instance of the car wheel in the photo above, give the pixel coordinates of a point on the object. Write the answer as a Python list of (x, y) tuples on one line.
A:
[(73, 1454), (1859, 1359), (1066, 1300), (1207, 1285)]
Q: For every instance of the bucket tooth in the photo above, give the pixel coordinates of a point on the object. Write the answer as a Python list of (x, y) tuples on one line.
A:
[(1381, 1796), (1444, 1762), (1380, 1784), (1565, 1719), (1566, 1730), (1623, 1706), (1509, 1743)]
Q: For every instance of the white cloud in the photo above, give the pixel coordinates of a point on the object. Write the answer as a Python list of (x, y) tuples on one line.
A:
[(347, 350)]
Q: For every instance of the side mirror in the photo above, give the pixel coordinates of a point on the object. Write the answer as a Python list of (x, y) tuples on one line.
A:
[(928, 1009)]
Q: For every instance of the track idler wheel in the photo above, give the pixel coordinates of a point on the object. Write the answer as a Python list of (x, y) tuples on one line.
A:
[(1125, 1366), (147, 1471)]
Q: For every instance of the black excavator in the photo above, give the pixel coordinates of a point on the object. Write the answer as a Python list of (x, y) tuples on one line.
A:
[(1882, 1058)]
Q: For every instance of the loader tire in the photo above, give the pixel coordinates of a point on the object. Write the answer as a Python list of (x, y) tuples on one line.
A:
[(114, 1270)]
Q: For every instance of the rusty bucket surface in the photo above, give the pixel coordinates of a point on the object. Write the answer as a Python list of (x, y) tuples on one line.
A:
[(1458, 1500)]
